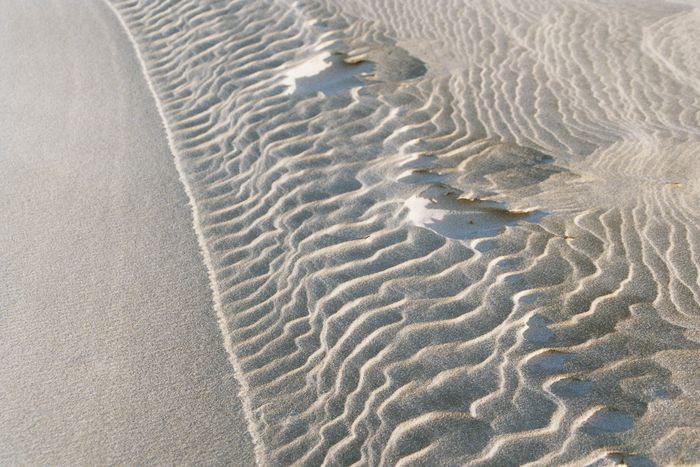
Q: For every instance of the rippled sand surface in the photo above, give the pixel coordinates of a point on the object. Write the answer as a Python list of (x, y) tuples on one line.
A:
[(445, 232)]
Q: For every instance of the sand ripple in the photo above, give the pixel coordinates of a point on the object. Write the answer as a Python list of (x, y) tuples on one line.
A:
[(448, 232)]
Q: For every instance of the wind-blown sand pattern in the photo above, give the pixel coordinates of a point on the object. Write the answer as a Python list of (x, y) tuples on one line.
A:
[(449, 232)]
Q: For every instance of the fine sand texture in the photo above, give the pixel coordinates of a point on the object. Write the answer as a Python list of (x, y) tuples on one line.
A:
[(432, 232), (110, 349), (445, 232)]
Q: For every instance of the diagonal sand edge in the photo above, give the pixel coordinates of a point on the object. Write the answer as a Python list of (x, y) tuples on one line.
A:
[(259, 449)]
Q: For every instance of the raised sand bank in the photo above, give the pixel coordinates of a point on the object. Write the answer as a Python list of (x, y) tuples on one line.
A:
[(478, 246)]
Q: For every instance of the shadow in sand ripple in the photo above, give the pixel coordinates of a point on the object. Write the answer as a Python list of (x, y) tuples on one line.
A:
[(472, 239)]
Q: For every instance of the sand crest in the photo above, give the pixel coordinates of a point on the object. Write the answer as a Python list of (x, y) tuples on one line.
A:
[(471, 253)]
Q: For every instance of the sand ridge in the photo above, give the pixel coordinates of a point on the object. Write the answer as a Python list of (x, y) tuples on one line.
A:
[(363, 331)]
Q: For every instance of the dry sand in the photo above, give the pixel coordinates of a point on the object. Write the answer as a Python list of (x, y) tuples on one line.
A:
[(110, 348), (450, 232), (445, 232)]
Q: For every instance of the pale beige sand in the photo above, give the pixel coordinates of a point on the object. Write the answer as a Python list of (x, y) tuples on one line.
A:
[(438, 232), (445, 232), (110, 347)]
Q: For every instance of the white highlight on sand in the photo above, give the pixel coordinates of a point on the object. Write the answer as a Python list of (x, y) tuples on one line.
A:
[(310, 67), (419, 212)]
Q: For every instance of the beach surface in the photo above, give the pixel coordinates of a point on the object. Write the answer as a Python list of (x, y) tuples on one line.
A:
[(111, 352), (446, 232)]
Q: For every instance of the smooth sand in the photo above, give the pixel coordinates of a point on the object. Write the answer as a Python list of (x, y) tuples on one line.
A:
[(110, 347)]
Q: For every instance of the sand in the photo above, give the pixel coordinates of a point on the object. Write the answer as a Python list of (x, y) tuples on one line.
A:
[(441, 233), (110, 347), (463, 233)]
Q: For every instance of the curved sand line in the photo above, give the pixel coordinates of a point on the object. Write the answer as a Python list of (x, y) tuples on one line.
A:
[(365, 326), (110, 353), (259, 452)]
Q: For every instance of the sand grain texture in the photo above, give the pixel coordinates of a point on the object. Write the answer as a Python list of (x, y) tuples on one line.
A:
[(481, 248), (444, 233), (110, 349)]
